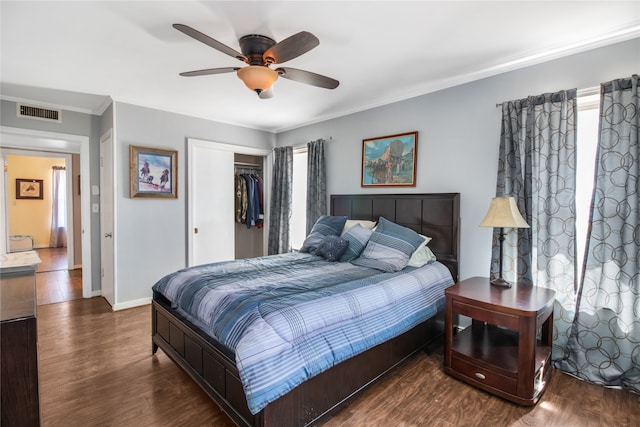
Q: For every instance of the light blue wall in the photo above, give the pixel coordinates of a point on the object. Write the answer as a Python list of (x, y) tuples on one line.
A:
[(151, 234), (458, 135)]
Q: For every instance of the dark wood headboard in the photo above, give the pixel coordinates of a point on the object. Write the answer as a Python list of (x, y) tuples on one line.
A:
[(436, 215)]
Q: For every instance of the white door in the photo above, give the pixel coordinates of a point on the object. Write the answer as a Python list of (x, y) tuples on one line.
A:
[(106, 218), (211, 205), (210, 193)]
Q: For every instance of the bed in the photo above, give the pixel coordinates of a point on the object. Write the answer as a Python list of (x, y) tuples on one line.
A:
[(213, 365)]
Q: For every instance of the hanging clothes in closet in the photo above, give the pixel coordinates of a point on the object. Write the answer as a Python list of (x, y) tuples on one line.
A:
[(249, 198)]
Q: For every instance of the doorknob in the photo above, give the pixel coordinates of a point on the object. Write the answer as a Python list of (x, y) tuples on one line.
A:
[(195, 230), (108, 235)]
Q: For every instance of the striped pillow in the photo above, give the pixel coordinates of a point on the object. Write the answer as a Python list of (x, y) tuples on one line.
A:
[(389, 247), (357, 236)]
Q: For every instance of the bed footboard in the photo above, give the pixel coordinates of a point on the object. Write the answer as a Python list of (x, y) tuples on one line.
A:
[(309, 403), (214, 371)]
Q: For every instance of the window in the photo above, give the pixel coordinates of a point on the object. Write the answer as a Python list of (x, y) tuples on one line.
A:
[(59, 202), (587, 142), (298, 230)]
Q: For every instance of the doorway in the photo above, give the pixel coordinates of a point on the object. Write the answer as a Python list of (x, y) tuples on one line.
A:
[(47, 222), (61, 145)]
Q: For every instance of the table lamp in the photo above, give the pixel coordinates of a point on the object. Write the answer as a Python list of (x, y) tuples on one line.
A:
[(503, 213)]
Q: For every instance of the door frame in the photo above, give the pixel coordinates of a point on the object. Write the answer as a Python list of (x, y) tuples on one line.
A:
[(239, 149), (29, 139), (108, 202)]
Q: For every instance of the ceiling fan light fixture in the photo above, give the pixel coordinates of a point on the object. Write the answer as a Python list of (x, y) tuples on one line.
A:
[(259, 52), (258, 78)]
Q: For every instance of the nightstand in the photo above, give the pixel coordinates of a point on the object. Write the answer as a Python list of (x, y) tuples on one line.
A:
[(507, 349)]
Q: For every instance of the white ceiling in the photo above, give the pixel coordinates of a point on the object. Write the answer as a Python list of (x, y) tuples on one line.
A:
[(76, 54)]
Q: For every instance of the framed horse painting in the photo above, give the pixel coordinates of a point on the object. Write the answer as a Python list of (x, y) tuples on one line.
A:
[(154, 172)]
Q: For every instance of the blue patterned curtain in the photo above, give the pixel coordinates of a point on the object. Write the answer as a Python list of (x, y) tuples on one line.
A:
[(604, 346), (280, 207), (511, 182), (536, 166), (316, 183)]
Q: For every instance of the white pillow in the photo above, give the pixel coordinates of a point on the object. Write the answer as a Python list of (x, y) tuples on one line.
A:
[(418, 252), (363, 222), (423, 244), (420, 257)]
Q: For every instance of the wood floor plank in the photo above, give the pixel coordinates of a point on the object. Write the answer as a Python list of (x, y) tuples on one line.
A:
[(52, 259), (96, 369), (54, 283)]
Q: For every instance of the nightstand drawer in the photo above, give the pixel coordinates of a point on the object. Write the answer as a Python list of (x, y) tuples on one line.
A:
[(483, 315), (483, 376)]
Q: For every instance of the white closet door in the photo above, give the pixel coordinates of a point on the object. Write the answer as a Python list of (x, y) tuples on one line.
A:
[(211, 200)]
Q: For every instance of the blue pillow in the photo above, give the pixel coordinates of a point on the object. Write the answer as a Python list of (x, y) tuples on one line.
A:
[(390, 247), (332, 248), (357, 236), (325, 226)]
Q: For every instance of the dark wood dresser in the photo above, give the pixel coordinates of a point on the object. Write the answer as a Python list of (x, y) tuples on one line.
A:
[(20, 404), (507, 349)]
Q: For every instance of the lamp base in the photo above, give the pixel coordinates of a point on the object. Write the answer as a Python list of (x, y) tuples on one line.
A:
[(500, 282)]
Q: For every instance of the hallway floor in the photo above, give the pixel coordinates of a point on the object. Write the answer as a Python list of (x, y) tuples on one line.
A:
[(54, 283)]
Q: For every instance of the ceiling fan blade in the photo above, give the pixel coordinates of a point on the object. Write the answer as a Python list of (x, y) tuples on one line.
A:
[(203, 38), (290, 48), (209, 71), (307, 77), (267, 94)]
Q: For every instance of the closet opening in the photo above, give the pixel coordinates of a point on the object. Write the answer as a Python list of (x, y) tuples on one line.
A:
[(249, 206)]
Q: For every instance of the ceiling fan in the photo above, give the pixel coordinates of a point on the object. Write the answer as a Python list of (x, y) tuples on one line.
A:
[(260, 52)]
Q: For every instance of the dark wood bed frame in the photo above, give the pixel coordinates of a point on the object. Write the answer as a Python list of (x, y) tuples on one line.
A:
[(213, 367)]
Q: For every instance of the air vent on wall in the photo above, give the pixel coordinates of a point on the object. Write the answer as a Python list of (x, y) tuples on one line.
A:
[(39, 113)]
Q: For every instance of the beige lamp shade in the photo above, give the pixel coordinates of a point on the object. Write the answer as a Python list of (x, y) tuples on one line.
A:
[(503, 212), (257, 77)]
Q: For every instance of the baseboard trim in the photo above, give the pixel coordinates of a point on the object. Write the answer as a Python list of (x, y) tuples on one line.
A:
[(131, 304)]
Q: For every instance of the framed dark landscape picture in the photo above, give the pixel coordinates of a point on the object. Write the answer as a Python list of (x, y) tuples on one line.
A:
[(153, 172), (29, 188), (390, 161)]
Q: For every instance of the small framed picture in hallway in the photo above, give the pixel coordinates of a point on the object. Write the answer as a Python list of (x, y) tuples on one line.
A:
[(29, 188), (153, 172)]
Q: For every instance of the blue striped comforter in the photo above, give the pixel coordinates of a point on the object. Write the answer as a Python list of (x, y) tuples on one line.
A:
[(290, 317)]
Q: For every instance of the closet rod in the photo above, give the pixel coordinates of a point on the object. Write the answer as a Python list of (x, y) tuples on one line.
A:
[(255, 165)]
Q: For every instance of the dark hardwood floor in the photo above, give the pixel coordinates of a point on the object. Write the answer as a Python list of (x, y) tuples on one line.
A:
[(96, 369), (54, 283), (52, 259)]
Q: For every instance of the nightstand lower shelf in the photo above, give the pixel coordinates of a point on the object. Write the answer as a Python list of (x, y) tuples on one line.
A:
[(486, 356)]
